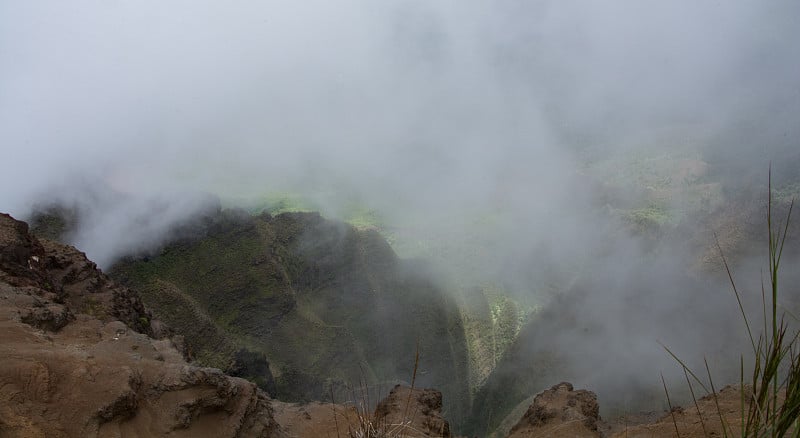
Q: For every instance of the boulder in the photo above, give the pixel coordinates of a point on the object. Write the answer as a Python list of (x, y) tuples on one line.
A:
[(560, 412)]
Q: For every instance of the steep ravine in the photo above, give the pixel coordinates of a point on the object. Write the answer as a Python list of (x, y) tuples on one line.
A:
[(331, 307), (314, 309)]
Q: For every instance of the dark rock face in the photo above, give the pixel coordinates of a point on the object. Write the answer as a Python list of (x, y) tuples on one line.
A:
[(87, 290), (253, 364), (46, 315), (560, 412), (21, 255), (76, 358)]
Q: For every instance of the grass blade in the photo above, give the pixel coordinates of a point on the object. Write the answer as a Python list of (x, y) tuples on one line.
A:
[(671, 410)]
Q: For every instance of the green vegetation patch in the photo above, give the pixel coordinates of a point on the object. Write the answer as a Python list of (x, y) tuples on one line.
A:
[(649, 218), (328, 304)]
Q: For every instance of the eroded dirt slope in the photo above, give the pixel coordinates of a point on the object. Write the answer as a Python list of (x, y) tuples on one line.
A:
[(79, 357)]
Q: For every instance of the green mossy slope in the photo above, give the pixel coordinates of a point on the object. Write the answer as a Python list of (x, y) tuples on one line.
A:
[(329, 305)]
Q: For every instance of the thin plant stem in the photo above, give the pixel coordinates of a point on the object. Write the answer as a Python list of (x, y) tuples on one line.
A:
[(671, 411)]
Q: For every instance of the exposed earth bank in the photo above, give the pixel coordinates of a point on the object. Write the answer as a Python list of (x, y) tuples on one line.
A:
[(81, 356)]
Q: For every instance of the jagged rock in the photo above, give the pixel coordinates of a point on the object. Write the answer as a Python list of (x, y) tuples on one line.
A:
[(47, 316), (560, 412), (21, 255), (397, 415), (88, 290), (413, 413), (76, 358)]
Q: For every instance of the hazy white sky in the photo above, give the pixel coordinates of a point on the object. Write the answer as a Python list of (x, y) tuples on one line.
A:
[(402, 96)]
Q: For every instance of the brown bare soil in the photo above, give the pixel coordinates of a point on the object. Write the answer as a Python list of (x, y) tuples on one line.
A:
[(316, 419), (77, 357), (703, 420)]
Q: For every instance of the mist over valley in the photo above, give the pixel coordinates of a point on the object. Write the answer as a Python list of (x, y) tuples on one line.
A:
[(331, 198)]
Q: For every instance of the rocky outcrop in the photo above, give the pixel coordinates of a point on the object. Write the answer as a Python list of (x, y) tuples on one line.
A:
[(413, 412), (560, 412), (78, 357), (403, 413), (21, 256), (87, 290)]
